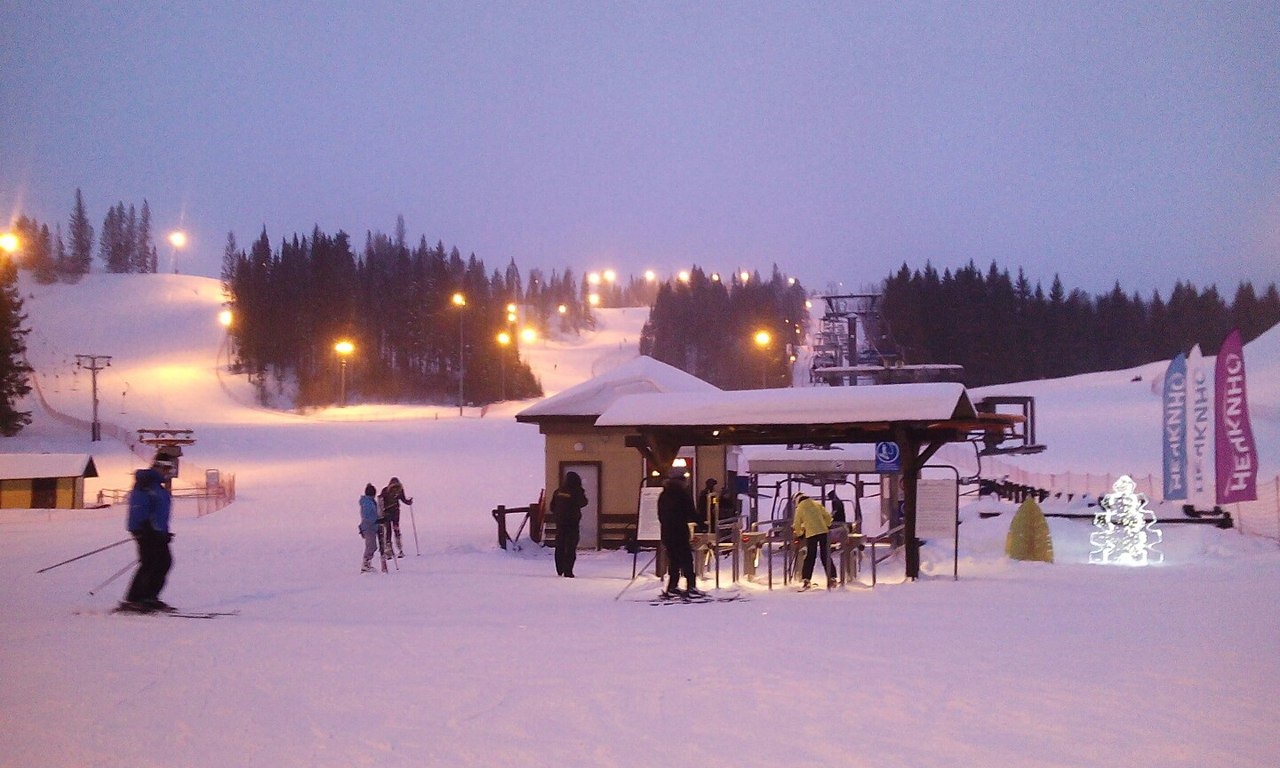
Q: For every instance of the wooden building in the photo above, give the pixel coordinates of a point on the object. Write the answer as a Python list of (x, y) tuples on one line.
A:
[(612, 472), (44, 480)]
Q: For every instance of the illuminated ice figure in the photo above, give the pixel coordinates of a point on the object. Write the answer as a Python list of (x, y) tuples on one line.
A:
[(1126, 532)]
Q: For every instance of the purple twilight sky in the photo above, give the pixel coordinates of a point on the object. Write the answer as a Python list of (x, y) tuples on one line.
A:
[(1136, 141)]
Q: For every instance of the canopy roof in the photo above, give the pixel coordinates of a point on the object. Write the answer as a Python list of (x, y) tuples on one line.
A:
[(805, 414), (29, 466), (640, 375)]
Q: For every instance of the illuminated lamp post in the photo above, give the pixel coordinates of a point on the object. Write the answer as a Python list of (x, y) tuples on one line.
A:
[(177, 241), (460, 302), (9, 243), (504, 339), (763, 339), (344, 349)]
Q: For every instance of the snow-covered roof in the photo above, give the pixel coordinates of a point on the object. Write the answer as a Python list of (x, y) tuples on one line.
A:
[(794, 406), (640, 375), (28, 466)]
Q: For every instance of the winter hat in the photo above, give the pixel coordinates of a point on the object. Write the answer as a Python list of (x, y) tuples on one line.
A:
[(712, 483), (573, 479), (369, 490)]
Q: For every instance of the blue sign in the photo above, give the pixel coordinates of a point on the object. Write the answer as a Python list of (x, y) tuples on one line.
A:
[(888, 457)]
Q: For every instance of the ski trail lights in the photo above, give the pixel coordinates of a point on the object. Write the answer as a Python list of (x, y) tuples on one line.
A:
[(1126, 532)]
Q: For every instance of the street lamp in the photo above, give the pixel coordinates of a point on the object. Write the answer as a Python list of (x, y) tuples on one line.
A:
[(763, 339), (9, 243), (344, 348), (504, 339), (177, 241), (460, 302)]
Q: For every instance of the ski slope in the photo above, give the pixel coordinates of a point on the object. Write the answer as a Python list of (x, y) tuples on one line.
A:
[(471, 656)]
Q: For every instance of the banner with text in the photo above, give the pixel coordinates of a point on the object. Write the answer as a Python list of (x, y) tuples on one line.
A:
[(1236, 455), (1174, 433), (1199, 431)]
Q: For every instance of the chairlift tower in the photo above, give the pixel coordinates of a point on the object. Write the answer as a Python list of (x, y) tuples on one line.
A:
[(94, 363), (851, 334)]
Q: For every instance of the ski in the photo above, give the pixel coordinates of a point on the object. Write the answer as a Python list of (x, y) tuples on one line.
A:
[(198, 614), (686, 600), (175, 614)]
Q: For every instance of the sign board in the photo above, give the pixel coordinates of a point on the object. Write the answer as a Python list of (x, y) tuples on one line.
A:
[(936, 508), (649, 529), (888, 457)]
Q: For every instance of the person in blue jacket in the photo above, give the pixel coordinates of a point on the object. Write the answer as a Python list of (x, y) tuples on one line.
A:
[(149, 506), (369, 525)]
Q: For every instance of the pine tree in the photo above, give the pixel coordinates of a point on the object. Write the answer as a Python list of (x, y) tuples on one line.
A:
[(144, 251), (81, 233), (13, 367), (231, 255)]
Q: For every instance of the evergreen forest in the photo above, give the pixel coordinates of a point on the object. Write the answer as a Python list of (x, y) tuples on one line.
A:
[(739, 334), (425, 324), (1004, 329)]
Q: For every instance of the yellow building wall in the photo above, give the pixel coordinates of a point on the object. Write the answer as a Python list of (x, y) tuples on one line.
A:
[(621, 473)]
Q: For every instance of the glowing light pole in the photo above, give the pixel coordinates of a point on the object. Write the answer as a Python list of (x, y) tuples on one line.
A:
[(763, 339), (9, 243), (344, 349), (460, 302), (504, 339), (177, 241)]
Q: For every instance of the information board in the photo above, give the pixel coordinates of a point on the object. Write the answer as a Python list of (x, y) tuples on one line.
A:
[(936, 508), (649, 528)]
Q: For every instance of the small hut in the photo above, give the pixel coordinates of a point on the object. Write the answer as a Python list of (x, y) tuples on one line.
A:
[(44, 480), (611, 471)]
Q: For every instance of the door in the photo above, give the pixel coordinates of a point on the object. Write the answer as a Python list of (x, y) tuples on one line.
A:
[(44, 493), (590, 474)]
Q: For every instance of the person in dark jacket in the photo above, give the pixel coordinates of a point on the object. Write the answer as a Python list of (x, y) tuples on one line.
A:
[(566, 509), (708, 506), (675, 511), (149, 507), (390, 499), (369, 527)]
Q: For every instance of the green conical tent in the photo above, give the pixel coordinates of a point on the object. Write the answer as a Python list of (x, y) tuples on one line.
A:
[(1029, 537)]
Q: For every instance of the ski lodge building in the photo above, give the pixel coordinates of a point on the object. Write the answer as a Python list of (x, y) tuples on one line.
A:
[(44, 480), (638, 420)]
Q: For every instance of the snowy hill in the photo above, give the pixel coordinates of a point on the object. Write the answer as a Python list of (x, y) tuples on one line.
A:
[(472, 656)]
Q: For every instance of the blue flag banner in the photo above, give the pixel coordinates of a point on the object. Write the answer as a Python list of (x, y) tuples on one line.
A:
[(1174, 432)]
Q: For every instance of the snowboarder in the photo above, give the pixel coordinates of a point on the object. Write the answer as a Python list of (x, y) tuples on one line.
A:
[(675, 511), (390, 498), (812, 523), (566, 508), (149, 505), (369, 525)]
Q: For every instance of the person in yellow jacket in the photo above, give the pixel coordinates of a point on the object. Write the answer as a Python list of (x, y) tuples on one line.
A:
[(811, 523)]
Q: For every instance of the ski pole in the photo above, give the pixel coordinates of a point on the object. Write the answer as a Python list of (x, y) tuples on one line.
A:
[(86, 554), (415, 532), (114, 576)]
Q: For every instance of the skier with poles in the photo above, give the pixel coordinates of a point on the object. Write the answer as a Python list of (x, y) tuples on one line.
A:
[(369, 527), (149, 505), (390, 498)]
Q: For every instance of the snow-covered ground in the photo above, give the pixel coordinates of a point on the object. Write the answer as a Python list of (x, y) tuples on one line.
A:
[(472, 656)]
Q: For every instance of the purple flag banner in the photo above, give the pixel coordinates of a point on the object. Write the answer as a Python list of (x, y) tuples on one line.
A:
[(1236, 455)]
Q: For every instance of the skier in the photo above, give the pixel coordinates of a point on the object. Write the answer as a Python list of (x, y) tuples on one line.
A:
[(708, 503), (369, 525), (149, 507), (812, 523), (566, 509), (675, 511), (390, 499)]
